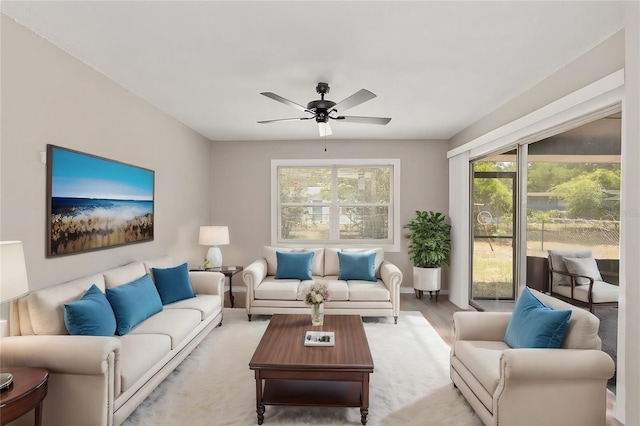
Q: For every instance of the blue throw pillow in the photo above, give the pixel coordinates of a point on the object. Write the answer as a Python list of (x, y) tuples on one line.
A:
[(357, 266), (133, 303), (91, 315), (294, 264), (535, 325), (173, 284)]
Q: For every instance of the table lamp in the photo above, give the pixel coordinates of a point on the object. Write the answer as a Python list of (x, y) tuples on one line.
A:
[(13, 283), (214, 236)]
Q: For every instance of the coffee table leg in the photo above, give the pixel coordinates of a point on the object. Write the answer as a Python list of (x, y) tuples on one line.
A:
[(259, 403), (364, 408), (363, 415)]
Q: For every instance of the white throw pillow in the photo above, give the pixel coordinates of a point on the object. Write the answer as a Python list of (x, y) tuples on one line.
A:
[(583, 266)]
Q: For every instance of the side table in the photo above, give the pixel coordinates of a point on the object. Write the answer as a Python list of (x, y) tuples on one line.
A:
[(228, 271), (26, 393)]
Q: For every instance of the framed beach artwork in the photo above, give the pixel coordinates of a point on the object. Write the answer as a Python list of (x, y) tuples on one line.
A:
[(94, 203)]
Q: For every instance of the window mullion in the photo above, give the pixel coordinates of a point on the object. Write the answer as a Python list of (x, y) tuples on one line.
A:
[(335, 208)]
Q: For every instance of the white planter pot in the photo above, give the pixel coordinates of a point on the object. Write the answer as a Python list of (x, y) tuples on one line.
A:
[(427, 279)]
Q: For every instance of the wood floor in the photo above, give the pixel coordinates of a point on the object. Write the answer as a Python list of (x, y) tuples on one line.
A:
[(439, 315)]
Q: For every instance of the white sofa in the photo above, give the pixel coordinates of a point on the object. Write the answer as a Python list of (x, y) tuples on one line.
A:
[(101, 380), (506, 386), (267, 296)]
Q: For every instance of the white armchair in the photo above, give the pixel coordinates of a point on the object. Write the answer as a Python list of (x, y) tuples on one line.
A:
[(506, 386)]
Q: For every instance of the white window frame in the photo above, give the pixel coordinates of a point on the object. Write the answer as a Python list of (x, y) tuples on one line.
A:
[(394, 242)]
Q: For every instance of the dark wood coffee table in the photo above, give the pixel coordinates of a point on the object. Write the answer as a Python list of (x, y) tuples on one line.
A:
[(289, 373)]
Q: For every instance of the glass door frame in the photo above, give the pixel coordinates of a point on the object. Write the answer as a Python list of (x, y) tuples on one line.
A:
[(518, 253)]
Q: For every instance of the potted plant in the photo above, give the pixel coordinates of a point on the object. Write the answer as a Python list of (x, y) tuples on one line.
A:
[(429, 247)]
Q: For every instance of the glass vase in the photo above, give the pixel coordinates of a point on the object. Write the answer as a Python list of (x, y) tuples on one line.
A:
[(317, 314)]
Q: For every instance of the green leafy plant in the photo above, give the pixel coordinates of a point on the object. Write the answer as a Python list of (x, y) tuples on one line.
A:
[(429, 240)]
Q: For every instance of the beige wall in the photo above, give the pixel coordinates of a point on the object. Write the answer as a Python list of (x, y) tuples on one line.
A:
[(50, 97), (599, 62), (241, 191)]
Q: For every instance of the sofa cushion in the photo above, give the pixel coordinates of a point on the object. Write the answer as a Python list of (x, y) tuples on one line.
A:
[(294, 265), (272, 289), (357, 266), (535, 325), (46, 306), (173, 284), (123, 274), (92, 315), (133, 303), (206, 304), (133, 366), (317, 263), (582, 332), (178, 324), (368, 291), (557, 262), (583, 266), (338, 288), (158, 262)]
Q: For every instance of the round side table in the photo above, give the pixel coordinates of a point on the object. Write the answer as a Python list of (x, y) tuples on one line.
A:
[(26, 393)]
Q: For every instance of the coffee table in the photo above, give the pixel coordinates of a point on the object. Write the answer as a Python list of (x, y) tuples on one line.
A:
[(289, 373)]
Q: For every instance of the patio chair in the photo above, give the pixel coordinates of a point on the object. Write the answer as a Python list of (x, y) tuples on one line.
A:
[(574, 277)]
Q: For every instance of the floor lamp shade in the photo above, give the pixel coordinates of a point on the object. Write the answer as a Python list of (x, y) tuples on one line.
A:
[(13, 283), (13, 271), (214, 236)]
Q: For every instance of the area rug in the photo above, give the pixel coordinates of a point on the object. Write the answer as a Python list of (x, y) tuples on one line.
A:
[(214, 386)]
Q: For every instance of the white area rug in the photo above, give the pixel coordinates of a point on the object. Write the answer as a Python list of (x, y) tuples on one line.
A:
[(214, 386)]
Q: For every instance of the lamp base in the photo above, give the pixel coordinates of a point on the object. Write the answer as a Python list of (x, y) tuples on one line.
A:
[(6, 379), (214, 256)]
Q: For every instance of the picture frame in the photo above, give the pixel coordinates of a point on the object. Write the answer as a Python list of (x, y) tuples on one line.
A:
[(94, 203)]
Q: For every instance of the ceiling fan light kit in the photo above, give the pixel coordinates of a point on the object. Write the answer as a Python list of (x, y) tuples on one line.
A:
[(323, 110)]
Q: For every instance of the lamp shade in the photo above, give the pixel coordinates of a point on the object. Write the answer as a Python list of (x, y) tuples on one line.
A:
[(13, 271), (214, 235)]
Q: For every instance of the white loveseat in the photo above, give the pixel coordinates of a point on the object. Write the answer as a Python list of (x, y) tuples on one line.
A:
[(267, 295), (507, 386), (99, 381)]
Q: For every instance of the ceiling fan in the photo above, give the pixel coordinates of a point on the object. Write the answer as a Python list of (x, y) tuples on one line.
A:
[(322, 110)]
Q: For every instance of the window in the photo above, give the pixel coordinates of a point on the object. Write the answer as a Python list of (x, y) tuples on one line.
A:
[(336, 201)]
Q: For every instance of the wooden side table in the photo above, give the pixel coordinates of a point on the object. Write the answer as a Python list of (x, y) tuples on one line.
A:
[(26, 393), (227, 271)]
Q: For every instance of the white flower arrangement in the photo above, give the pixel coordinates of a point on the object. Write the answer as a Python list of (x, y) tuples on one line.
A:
[(318, 293)]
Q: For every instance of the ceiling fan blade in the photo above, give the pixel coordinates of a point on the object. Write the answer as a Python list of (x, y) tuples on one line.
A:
[(284, 101), (363, 120), (325, 129), (284, 119), (357, 98)]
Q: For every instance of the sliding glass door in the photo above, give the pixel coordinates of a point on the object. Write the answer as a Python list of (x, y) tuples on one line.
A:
[(493, 227)]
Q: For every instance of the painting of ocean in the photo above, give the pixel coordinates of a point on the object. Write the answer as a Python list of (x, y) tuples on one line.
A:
[(96, 203)]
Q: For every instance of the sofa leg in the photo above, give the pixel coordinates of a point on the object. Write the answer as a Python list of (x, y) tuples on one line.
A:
[(249, 315), (395, 319)]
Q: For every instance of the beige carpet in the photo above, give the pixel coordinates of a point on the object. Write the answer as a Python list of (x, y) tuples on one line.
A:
[(214, 386)]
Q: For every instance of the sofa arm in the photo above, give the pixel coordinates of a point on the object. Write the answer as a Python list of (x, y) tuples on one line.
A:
[(86, 355), (490, 326), (552, 387), (556, 364), (207, 282), (391, 276), (252, 276)]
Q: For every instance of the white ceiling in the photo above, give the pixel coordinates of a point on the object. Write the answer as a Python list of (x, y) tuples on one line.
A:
[(436, 66)]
